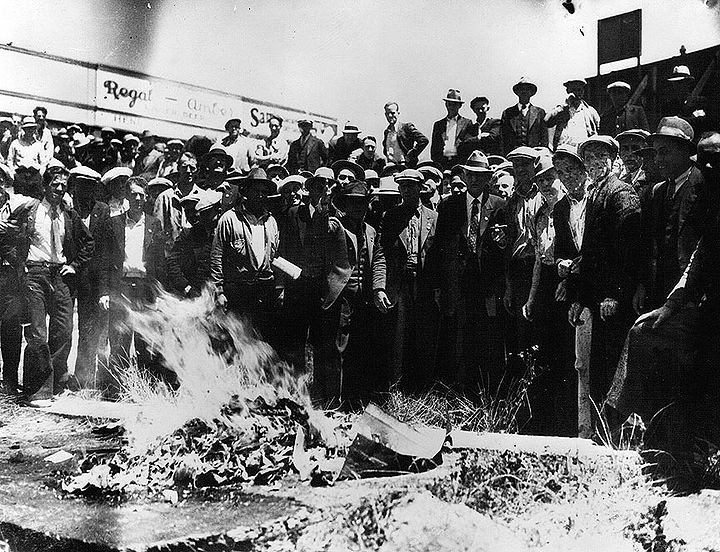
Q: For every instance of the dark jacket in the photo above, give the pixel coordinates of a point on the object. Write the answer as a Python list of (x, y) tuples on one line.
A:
[(611, 245), (412, 142), (342, 148), (511, 124), (338, 259), (78, 245), (450, 253), (438, 139), (188, 263), (489, 145), (153, 249), (94, 279), (391, 249), (631, 116), (662, 226), (564, 247), (307, 156)]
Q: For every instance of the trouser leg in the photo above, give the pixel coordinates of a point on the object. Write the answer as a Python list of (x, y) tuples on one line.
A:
[(37, 366), (60, 330)]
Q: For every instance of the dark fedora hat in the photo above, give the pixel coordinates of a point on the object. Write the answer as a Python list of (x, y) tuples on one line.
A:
[(354, 168), (453, 96), (523, 82), (255, 177)]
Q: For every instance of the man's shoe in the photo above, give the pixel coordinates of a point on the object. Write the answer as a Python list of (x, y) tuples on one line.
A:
[(39, 403)]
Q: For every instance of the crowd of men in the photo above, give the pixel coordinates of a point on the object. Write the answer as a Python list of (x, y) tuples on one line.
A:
[(369, 268)]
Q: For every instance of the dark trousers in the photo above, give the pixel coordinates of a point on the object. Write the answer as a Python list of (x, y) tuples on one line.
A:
[(410, 337), (48, 345), (341, 352), (135, 293), (299, 308), (519, 336), (92, 338), (553, 393), (11, 305), (607, 342), (470, 356), (255, 302)]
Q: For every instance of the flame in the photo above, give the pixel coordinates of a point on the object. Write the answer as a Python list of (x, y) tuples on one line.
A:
[(218, 361)]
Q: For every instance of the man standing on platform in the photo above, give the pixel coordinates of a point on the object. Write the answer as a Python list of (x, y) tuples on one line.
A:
[(621, 116), (448, 131), (238, 147), (576, 120), (402, 142), (523, 124), (308, 152), (484, 134)]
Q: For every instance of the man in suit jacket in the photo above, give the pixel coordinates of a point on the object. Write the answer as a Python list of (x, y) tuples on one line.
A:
[(523, 124), (401, 289), (447, 132), (484, 134), (402, 142), (60, 246), (137, 262), (621, 116), (308, 152), (93, 289), (609, 268), (467, 268), (342, 335)]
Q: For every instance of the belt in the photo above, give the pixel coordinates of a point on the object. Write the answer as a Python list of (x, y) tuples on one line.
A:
[(44, 264)]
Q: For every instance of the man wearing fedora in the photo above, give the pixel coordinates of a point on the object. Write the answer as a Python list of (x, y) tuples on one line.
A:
[(384, 197), (466, 272), (343, 332), (402, 292), (216, 173), (621, 115), (346, 144), (523, 124), (448, 131), (609, 265), (484, 134), (576, 120), (238, 147), (245, 244), (673, 350), (308, 152), (402, 142)]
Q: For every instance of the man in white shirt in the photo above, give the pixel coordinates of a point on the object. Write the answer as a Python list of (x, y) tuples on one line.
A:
[(402, 142), (238, 147), (60, 246), (43, 134), (576, 120), (137, 260), (448, 131)]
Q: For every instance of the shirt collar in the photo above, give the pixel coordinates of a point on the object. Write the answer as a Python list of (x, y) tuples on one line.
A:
[(520, 107), (683, 177), (249, 217), (455, 118), (130, 223)]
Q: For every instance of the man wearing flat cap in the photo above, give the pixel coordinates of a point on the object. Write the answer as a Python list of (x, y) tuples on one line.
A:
[(466, 273), (402, 292), (621, 115), (402, 142), (576, 120), (93, 281), (129, 151), (522, 209), (245, 244), (448, 131), (609, 265), (308, 152), (238, 147), (484, 134), (523, 124), (631, 142), (344, 331)]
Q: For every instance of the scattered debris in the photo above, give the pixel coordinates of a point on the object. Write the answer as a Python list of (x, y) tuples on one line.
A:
[(59, 457)]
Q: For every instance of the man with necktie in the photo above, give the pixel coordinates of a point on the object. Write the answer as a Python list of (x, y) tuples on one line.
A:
[(523, 124), (402, 142), (448, 131)]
